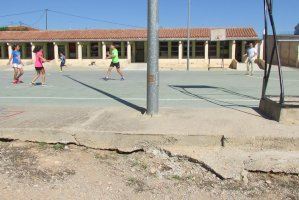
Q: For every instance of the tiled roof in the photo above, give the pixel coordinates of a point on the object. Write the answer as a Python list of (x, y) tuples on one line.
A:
[(120, 34)]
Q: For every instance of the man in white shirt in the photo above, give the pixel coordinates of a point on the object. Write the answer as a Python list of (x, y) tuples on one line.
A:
[(251, 54)]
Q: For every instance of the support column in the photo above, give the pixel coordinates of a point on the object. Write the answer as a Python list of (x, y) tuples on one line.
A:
[(32, 54), (9, 49), (193, 49), (218, 49), (243, 51), (56, 53), (261, 50), (206, 51), (233, 49), (88, 50), (169, 49), (79, 45), (104, 53), (129, 52), (180, 51)]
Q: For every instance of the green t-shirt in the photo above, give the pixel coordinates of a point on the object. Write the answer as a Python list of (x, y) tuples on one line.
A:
[(115, 56)]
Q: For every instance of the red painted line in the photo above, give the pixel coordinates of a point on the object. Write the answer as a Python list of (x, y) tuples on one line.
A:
[(15, 113)]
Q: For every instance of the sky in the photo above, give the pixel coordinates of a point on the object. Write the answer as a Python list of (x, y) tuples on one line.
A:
[(173, 13)]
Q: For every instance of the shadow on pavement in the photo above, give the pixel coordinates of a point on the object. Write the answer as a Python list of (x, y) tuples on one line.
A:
[(129, 104), (184, 90)]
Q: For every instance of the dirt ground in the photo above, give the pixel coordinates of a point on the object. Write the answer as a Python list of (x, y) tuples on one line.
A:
[(44, 171)]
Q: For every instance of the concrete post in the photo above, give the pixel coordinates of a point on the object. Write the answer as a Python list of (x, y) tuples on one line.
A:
[(32, 54), (233, 49), (193, 49), (129, 49), (218, 52), (180, 51), (79, 45), (104, 53), (169, 49), (206, 51), (243, 51), (261, 50), (56, 53), (9, 49), (88, 50)]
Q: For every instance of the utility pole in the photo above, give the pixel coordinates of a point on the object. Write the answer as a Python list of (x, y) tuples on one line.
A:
[(153, 58), (46, 10), (188, 30)]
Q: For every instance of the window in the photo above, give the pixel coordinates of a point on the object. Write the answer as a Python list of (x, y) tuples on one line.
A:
[(224, 49), (213, 49), (163, 50), (185, 49), (94, 49), (174, 49), (199, 49)]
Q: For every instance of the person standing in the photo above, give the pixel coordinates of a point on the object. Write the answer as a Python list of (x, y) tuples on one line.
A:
[(62, 59), (114, 63), (39, 67), (251, 54), (17, 64)]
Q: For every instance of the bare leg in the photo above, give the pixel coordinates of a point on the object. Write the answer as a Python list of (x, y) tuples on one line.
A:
[(119, 72), (108, 74), (248, 63), (251, 70), (43, 76), (15, 74), (20, 73), (35, 77)]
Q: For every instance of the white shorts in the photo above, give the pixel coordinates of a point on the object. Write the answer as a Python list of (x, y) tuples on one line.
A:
[(18, 66)]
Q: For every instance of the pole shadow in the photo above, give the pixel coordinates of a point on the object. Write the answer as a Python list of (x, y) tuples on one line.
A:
[(229, 105), (120, 100)]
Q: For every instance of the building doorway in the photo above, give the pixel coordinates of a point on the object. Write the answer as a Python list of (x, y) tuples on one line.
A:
[(50, 50), (72, 50), (239, 51), (139, 52)]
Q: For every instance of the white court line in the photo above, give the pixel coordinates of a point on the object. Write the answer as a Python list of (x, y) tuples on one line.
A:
[(129, 99), (276, 79)]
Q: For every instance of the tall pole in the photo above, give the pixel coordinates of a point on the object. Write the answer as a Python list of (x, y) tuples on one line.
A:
[(46, 19), (188, 30), (153, 58)]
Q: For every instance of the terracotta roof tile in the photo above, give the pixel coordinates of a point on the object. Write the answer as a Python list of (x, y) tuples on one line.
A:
[(120, 34)]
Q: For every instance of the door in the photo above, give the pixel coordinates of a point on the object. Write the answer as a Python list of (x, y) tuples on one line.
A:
[(239, 51), (72, 51), (50, 50), (139, 52)]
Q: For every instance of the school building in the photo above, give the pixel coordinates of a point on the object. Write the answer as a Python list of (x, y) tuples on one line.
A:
[(82, 47)]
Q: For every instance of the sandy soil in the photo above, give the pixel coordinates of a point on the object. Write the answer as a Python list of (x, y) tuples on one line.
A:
[(43, 171)]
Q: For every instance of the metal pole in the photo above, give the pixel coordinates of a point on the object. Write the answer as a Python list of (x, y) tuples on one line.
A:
[(46, 19), (188, 33), (153, 58)]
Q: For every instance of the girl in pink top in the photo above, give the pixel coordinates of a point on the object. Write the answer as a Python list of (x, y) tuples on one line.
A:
[(39, 67)]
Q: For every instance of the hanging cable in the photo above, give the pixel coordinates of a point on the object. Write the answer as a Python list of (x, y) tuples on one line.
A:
[(22, 13), (39, 19), (93, 19)]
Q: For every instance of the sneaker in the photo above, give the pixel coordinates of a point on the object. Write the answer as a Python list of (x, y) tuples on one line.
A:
[(122, 79), (20, 81), (106, 78), (32, 84), (15, 81), (44, 84)]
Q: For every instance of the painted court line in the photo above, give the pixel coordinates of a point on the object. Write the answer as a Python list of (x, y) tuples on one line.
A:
[(129, 99)]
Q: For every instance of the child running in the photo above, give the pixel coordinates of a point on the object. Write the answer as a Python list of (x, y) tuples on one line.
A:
[(40, 70), (114, 63), (17, 64), (62, 59)]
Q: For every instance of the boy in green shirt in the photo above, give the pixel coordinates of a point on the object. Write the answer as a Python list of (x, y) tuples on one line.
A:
[(114, 63)]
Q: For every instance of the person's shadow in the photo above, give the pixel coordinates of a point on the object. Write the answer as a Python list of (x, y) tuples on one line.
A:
[(120, 100)]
